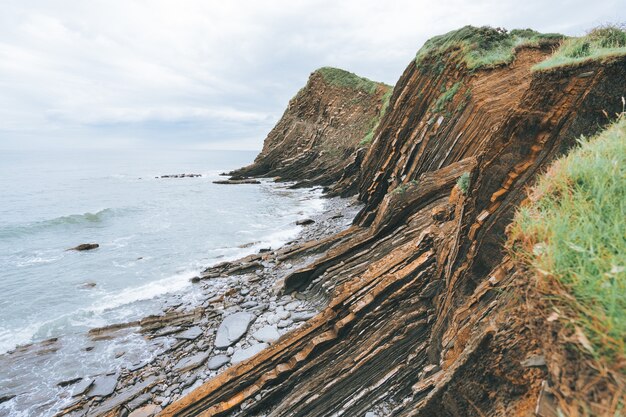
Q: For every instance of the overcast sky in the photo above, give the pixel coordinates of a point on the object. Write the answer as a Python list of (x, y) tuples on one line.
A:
[(216, 74)]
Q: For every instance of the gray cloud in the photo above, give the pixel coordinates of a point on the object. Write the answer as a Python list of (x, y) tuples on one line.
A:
[(215, 74)]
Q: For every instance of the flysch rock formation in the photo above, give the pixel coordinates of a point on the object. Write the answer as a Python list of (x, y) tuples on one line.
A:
[(316, 139), (425, 314)]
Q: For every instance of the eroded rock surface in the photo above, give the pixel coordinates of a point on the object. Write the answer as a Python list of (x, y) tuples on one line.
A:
[(316, 139), (420, 319)]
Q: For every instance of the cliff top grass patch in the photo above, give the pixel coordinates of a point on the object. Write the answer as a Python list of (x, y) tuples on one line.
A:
[(573, 234), (483, 46), (342, 78), (600, 43)]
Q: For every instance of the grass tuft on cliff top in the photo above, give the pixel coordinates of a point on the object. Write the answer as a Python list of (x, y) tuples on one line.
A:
[(600, 43), (342, 78), (573, 234), (483, 47)]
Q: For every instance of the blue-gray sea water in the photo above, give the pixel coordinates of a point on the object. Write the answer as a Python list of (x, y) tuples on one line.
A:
[(154, 235)]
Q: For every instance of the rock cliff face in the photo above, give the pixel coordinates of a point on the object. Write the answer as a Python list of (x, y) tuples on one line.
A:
[(316, 139), (426, 314)]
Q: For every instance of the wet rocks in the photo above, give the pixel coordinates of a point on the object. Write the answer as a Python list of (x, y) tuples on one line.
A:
[(180, 176), (5, 398), (232, 329), (242, 181), (103, 386), (242, 300), (85, 246), (82, 387)]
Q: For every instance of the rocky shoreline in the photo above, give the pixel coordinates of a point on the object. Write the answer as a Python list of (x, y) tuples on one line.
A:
[(239, 311)]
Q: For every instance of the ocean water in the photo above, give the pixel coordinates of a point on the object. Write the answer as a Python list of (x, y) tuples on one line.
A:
[(154, 235)]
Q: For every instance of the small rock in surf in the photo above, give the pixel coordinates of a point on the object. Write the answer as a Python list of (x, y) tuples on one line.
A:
[(85, 246)]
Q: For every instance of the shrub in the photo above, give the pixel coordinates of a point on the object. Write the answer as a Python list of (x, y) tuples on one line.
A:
[(446, 97), (464, 182)]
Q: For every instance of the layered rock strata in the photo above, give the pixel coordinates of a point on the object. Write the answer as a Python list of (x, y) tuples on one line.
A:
[(425, 312), (315, 141)]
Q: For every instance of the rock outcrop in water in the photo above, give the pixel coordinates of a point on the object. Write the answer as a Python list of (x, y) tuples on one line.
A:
[(316, 139), (426, 314)]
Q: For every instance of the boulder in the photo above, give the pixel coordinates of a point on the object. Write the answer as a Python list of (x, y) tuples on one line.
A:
[(233, 328), (241, 355), (85, 246), (103, 386), (267, 334)]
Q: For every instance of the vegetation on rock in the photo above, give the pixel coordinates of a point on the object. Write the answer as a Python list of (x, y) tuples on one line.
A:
[(483, 46), (600, 43), (376, 120), (573, 232), (464, 182), (342, 78)]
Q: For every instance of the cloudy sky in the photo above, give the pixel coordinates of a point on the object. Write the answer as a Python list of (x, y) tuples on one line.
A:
[(215, 74)]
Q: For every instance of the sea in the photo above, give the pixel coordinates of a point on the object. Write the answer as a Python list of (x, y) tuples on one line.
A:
[(154, 235)]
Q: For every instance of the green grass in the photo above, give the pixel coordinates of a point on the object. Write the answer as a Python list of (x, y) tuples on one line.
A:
[(600, 43), (341, 78), (482, 46), (376, 120), (574, 231), (401, 189), (446, 97), (464, 182)]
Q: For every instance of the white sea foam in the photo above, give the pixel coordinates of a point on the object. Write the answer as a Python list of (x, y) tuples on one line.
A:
[(148, 291)]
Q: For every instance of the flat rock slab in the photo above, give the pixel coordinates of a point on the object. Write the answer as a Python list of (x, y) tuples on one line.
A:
[(82, 387), (191, 362), (216, 362), (233, 328), (302, 316), (103, 386), (243, 354), (190, 334), (145, 411), (267, 334)]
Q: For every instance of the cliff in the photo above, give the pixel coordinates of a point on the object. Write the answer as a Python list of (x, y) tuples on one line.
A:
[(315, 141), (427, 313)]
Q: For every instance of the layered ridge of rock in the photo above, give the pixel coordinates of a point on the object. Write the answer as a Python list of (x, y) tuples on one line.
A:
[(422, 308), (315, 141)]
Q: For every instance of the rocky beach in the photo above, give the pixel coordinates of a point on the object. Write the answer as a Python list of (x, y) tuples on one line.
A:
[(238, 309)]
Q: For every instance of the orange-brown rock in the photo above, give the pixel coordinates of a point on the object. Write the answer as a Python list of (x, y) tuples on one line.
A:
[(426, 314), (316, 139)]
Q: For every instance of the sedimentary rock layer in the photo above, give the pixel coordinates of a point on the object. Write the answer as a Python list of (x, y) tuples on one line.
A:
[(315, 141), (424, 314)]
